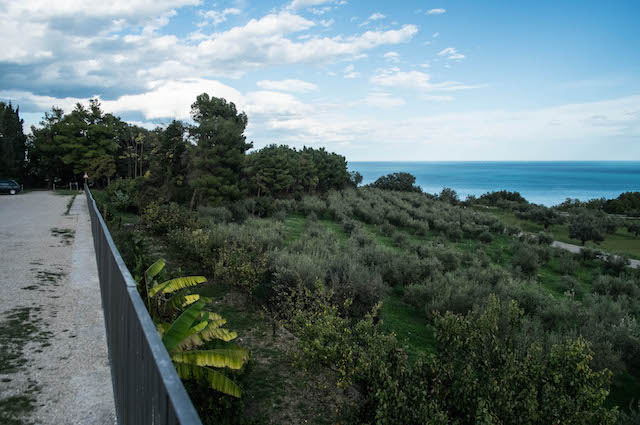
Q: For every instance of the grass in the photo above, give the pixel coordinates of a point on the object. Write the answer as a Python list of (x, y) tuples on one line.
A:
[(70, 204), (621, 243), (275, 392), (410, 326), (66, 192), (19, 328)]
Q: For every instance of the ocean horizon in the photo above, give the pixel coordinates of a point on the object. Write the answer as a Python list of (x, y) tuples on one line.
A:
[(542, 182)]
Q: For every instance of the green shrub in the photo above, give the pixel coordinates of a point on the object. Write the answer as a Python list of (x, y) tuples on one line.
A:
[(545, 238), (162, 218), (615, 287), (567, 264), (312, 204), (239, 211), (485, 237), (215, 214), (525, 259), (488, 381), (589, 254), (349, 226), (387, 228), (454, 233), (615, 264), (570, 285), (400, 239)]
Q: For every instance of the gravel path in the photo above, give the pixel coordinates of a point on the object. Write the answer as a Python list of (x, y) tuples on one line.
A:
[(54, 366), (577, 248)]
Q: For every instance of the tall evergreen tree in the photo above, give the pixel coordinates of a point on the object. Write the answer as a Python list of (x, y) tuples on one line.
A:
[(12, 142), (220, 150)]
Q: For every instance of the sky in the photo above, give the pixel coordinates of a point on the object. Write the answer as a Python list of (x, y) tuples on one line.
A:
[(372, 80)]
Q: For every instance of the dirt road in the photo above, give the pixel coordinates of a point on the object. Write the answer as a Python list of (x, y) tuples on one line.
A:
[(577, 248)]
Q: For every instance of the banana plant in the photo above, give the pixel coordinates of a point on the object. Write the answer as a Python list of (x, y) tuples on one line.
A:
[(192, 329), (178, 299)]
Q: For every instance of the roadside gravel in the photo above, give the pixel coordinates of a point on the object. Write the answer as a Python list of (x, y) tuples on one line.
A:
[(54, 366)]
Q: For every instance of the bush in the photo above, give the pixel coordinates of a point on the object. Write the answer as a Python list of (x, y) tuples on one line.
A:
[(239, 211), (215, 214), (454, 233), (312, 204), (349, 226), (163, 218), (400, 239), (545, 238), (526, 260), (497, 383), (571, 286), (387, 228), (615, 264), (588, 254), (615, 287), (567, 264), (485, 237)]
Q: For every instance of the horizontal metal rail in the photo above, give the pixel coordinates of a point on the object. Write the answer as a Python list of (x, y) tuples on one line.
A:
[(147, 389)]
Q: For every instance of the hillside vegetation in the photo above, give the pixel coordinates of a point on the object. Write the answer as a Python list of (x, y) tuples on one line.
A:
[(370, 305)]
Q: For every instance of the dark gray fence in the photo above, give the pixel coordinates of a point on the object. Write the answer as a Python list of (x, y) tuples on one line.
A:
[(146, 387)]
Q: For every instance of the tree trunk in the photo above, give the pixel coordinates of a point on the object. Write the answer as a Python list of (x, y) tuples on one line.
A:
[(141, 158), (193, 199)]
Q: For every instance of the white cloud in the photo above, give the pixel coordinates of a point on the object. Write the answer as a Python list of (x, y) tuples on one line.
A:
[(415, 80), (349, 71), (263, 41), (435, 35), (436, 11), (443, 98), (573, 131), (392, 57), (303, 4), (567, 132), (296, 86), (383, 100), (451, 53), (374, 17), (327, 22), (172, 99), (215, 17)]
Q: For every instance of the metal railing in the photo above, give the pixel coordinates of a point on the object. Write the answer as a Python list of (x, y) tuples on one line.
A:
[(147, 389)]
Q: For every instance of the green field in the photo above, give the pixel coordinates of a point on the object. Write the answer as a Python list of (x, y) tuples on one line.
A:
[(622, 242)]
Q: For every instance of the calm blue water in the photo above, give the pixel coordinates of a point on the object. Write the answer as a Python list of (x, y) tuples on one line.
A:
[(547, 183)]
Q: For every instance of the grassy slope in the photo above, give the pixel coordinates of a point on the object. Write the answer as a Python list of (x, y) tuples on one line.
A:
[(622, 242), (276, 393), (412, 327)]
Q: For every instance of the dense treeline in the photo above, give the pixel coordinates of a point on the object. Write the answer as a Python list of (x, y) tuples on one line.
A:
[(205, 163), (627, 203)]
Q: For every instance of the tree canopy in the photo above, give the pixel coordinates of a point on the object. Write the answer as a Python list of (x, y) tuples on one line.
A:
[(12, 142), (403, 182)]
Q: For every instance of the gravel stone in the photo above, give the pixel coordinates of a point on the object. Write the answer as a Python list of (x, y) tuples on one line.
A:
[(48, 267)]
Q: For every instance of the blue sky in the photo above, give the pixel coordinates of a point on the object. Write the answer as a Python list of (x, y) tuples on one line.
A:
[(375, 80)]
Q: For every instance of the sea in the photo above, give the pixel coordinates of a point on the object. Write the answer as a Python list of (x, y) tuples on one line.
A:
[(548, 183)]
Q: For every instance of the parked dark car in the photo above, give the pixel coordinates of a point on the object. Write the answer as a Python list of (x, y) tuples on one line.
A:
[(9, 186)]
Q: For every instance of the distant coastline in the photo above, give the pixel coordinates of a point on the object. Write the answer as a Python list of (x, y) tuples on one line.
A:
[(542, 182)]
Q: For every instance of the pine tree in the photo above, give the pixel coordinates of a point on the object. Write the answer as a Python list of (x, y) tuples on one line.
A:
[(12, 142), (220, 150)]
